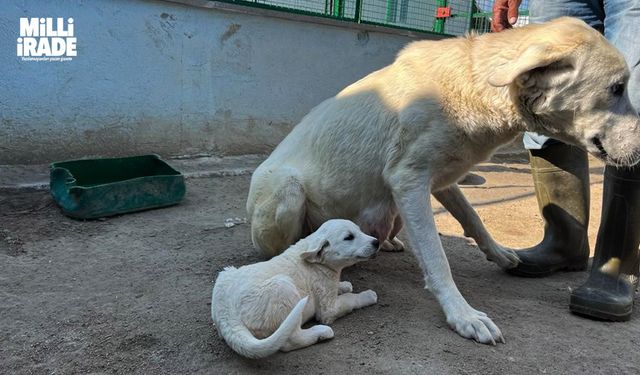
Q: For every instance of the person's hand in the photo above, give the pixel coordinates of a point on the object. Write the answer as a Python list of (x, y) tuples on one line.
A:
[(505, 14)]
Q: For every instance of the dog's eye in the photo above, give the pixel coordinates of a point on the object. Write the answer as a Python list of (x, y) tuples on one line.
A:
[(349, 237), (617, 89)]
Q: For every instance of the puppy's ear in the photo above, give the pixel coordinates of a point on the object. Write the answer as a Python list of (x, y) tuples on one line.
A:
[(534, 57), (315, 251)]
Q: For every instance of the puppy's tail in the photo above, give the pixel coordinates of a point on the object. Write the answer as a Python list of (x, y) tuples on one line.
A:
[(244, 343)]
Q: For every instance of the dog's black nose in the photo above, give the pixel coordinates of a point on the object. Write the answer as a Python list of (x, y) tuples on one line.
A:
[(375, 243)]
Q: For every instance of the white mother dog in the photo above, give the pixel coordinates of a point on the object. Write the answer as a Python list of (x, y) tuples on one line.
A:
[(375, 152)]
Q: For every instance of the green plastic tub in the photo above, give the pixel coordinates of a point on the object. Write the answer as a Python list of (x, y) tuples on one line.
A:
[(94, 188)]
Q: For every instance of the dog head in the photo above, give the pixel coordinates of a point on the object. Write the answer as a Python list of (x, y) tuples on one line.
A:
[(339, 244), (569, 83)]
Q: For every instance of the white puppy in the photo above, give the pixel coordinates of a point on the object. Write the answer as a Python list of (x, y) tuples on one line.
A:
[(377, 150), (259, 309)]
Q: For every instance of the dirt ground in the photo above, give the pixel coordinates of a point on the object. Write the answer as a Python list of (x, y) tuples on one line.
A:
[(131, 294)]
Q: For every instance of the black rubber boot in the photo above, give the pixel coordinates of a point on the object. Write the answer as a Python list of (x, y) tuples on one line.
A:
[(610, 289), (561, 178)]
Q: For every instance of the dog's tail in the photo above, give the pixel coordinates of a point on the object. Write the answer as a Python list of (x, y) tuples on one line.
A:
[(244, 343)]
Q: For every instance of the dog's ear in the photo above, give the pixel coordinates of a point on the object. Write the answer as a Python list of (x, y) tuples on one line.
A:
[(314, 253), (534, 57)]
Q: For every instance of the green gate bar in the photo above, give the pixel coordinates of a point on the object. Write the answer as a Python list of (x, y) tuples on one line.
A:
[(338, 8), (438, 24), (391, 11)]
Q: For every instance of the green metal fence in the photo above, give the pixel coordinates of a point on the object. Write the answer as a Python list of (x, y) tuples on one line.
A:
[(445, 17)]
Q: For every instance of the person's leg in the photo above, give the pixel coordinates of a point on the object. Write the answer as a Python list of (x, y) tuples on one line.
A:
[(609, 291), (560, 173), (622, 27), (590, 11)]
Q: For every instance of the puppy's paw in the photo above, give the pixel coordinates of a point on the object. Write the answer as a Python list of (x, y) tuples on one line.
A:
[(394, 245), (503, 257), (345, 287), (322, 332), (473, 324), (368, 298)]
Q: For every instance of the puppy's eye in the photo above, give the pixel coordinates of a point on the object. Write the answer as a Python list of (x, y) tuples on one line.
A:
[(617, 89), (349, 237)]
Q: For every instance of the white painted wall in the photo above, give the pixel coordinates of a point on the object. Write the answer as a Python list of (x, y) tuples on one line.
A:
[(173, 79)]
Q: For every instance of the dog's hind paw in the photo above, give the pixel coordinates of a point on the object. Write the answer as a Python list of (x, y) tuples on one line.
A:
[(323, 332), (476, 325), (393, 246)]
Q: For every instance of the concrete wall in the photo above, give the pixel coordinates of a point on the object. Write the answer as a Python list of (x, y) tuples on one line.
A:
[(174, 79)]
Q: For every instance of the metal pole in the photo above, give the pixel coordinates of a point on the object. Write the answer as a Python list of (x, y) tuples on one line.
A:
[(358, 12), (391, 11), (338, 8), (438, 25)]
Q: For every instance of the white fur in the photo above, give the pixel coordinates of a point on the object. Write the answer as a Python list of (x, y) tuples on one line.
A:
[(374, 152), (259, 309)]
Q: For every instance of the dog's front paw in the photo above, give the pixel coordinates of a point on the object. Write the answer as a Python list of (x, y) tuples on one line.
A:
[(368, 298), (473, 324), (503, 257)]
